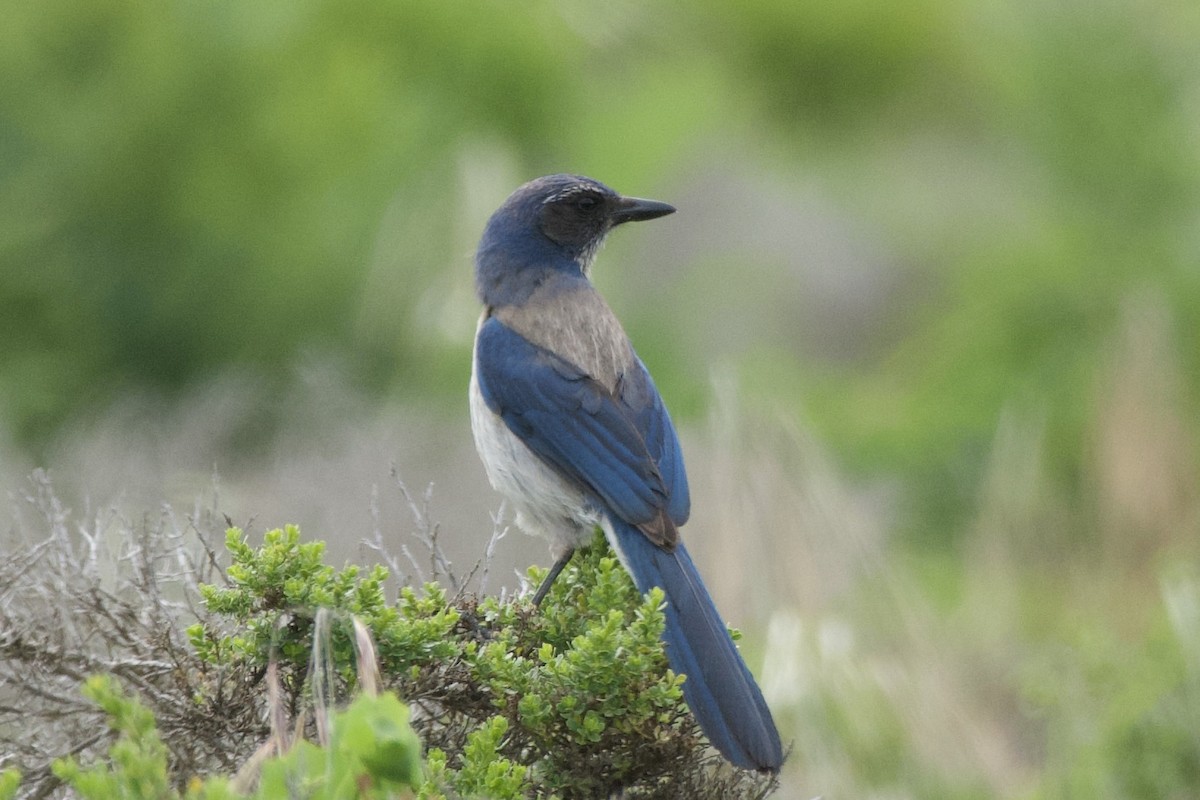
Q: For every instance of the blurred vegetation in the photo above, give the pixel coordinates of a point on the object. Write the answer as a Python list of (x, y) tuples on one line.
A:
[(956, 240), (372, 753), (191, 185)]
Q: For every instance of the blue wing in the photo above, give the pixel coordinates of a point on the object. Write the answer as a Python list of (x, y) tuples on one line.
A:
[(620, 445)]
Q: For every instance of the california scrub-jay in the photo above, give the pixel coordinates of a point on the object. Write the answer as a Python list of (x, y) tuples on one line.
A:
[(573, 432)]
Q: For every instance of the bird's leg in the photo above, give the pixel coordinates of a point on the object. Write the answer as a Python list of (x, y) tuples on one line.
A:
[(540, 594)]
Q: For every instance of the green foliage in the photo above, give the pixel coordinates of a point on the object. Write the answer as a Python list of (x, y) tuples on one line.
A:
[(137, 767), (191, 185), (376, 729), (485, 772), (10, 781), (574, 698), (1094, 685), (1122, 719), (287, 576), (373, 753), (586, 679), (1021, 166), (1026, 162)]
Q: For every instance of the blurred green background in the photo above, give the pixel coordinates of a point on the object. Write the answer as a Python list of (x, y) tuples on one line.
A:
[(928, 317)]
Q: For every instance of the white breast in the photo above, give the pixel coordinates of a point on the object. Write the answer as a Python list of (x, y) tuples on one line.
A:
[(546, 504)]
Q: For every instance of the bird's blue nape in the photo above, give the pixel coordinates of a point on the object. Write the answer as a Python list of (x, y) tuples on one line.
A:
[(510, 264)]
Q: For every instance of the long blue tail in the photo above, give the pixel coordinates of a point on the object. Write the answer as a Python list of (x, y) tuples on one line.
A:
[(719, 688)]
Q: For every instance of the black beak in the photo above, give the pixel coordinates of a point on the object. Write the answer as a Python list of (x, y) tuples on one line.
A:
[(634, 209)]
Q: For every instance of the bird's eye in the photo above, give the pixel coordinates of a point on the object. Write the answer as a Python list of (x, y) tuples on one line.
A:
[(586, 202)]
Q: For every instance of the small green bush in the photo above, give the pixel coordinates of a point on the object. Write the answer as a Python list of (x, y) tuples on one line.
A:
[(571, 699), (372, 753), (10, 780)]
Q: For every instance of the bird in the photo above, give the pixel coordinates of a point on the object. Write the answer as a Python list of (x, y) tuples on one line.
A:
[(573, 432)]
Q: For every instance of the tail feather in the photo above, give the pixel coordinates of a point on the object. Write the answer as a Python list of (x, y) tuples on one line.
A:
[(719, 688)]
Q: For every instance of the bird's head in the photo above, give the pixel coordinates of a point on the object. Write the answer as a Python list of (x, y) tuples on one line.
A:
[(553, 223)]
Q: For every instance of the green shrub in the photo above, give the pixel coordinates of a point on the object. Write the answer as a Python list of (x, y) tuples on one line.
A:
[(372, 753), (574, 698)]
